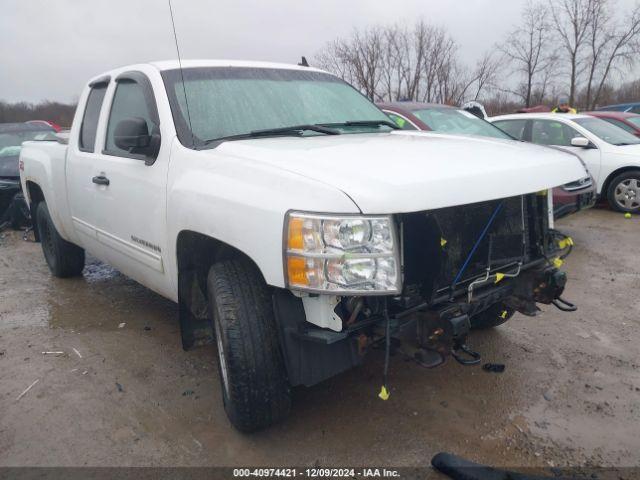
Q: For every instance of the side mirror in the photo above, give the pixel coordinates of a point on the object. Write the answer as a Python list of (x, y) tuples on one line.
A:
[(581, 142), (132, 134)]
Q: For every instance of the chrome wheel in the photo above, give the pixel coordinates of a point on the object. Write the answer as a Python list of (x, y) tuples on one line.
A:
[(627, 194)]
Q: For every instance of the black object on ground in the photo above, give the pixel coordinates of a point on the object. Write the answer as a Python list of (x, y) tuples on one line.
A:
[(119, 387), (458, 468), (14, 211), (494, 367)]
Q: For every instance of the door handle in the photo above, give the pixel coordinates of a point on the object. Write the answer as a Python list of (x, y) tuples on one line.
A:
[(100, 180)]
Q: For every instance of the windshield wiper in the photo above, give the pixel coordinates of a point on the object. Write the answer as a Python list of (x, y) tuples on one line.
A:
[(363, 123), (295, 130)]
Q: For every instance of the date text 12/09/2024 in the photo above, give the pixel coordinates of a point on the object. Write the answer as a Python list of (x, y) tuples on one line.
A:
[(316, 472)]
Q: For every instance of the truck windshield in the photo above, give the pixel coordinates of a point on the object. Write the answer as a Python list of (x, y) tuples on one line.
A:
[(458, 122), (235, 101), (608, 132)]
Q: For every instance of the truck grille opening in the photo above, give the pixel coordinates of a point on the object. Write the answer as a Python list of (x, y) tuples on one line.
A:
[(437, 243)]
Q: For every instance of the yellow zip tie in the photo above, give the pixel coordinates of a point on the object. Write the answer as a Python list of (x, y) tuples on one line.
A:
[(443, 242), (557, 262), (384, 393), (565, 242), (499, 276)]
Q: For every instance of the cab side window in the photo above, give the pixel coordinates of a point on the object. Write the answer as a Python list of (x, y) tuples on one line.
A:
[(515, 128), (133, 125), (550, 132), (89, 125)]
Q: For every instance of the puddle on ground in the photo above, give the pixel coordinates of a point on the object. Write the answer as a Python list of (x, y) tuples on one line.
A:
[(102, 298)]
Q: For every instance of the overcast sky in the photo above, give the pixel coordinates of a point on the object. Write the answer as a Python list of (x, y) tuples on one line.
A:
[(49, 48)]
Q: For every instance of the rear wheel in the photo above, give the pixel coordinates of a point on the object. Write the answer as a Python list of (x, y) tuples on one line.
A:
[(624, 192), (255, 389), (64, 258), (492, 317)]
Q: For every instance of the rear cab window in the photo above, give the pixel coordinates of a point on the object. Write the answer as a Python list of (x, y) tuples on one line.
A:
[(89, 125)]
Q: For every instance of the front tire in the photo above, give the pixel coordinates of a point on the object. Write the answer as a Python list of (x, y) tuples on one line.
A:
[(255, 389), (623, 193), (492, 317), (64, 258)]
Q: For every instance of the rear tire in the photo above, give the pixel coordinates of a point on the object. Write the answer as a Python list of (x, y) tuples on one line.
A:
[(64, 258), (623, 193), (253, 378), (492, 317)]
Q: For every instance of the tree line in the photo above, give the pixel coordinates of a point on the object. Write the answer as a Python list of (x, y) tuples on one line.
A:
[(60, 113), (581, 49)]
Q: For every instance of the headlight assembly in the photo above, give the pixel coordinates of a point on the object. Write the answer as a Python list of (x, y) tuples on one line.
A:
[(341, 254)]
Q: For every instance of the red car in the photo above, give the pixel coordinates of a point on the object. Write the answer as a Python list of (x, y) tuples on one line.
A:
[(45, 123), (625, 120), (567, 199)]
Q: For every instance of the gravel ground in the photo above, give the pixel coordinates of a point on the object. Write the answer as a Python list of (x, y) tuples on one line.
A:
[(124, 393)]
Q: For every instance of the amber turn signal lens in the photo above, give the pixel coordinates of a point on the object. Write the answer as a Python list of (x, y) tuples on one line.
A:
[(296, 240), (297, 270)]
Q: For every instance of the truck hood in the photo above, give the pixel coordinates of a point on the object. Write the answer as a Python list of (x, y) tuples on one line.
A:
[(403, 171)]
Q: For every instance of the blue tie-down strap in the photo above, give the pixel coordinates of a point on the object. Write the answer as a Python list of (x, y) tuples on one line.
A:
[(477, 244)]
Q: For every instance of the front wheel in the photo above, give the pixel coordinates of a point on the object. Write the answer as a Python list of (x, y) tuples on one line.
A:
[(255, 389), (64, 258), (492, 317), (624, 192)]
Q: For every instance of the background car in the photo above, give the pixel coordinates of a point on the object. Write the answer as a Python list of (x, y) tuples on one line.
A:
[(627, 121), (567, 199), (611, 154), (11, 137), (633, 107), (45, 123)]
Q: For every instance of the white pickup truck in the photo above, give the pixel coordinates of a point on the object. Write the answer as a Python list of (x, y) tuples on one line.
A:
[(293, 224)]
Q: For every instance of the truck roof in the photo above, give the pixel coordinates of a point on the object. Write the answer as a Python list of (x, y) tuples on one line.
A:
[(194, 63), (190, 63)]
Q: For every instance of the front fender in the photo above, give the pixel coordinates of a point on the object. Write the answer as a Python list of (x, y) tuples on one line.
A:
[(242, 203)]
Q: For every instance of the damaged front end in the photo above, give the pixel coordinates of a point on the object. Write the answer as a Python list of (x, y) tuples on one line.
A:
[(463, 267)]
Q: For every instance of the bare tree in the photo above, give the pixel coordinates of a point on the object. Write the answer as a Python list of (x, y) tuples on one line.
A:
[(572, 20), (397, 62), (358, 60), (483, 76), (611, 46), (527, 48)]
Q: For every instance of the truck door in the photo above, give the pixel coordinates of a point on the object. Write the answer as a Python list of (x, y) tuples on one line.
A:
[(130, 184), (81, 166)]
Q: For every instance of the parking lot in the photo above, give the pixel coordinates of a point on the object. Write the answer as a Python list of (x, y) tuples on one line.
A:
[(124, 392)]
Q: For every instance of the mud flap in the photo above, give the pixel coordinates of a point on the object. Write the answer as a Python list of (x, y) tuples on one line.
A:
[(196, 330), (458, 468)]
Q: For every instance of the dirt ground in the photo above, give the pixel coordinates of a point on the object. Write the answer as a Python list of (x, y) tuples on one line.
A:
[(125, 393)]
